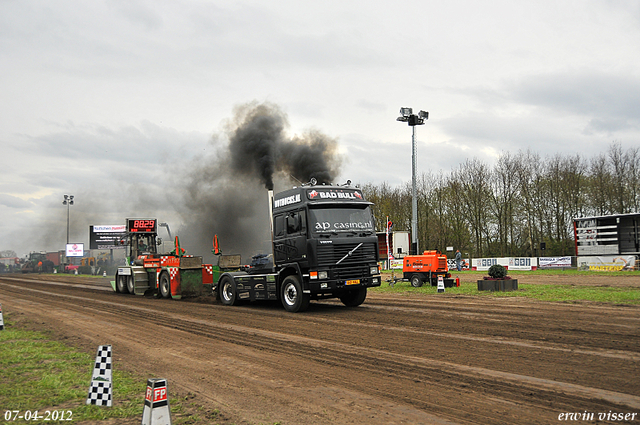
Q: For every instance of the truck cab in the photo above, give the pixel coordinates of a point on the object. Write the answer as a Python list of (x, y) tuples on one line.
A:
[(324, 246)]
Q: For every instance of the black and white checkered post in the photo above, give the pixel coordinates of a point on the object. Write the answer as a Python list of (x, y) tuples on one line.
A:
[(1, 321), (100, 391)]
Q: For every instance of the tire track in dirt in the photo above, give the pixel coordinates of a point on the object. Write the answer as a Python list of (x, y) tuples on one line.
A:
[(450, 378)]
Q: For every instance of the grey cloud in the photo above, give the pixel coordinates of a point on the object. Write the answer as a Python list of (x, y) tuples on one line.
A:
[(14, 202), (609, 101)]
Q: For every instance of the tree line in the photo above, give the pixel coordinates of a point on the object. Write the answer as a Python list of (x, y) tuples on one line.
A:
[(513, 207)]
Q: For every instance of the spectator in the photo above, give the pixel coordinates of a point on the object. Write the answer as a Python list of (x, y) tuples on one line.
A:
[(458, 260)]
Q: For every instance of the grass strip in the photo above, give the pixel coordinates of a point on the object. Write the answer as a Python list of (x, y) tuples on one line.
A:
[(38, 373), (542, 292)]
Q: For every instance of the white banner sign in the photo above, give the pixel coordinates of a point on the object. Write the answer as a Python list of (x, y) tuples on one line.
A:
[(611, 263), (552, 262), (485, 263), (511, 263), (120, 228), (75, 250), (396, 264), (523, 263)]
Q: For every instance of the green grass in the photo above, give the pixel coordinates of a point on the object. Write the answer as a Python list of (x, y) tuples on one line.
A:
[(542, 292), (37, 373)]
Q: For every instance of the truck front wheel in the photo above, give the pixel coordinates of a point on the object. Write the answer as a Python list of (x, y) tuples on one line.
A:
[(228, 292), (121, 284), (354, 298), (165, 285), (416, 280), (293, 299)]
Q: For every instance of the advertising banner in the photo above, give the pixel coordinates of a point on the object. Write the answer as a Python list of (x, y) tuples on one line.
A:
[(107, 236), (75, 250), (485, 263), (554, 262), (604, 263), (511, 263), (523, 263), (451, 263), (396, 264)]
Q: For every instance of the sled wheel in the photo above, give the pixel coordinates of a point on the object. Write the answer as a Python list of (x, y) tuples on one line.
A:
[(130, 284), (121, 284)]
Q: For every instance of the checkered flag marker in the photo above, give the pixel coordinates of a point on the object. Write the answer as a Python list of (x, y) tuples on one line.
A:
[(1, 321), (156, 403), (100, 391)]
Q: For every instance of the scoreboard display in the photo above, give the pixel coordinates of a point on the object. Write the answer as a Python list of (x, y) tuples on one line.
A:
[(142, 226)]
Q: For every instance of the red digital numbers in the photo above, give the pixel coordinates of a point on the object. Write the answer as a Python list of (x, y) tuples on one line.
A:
[(142, 225)]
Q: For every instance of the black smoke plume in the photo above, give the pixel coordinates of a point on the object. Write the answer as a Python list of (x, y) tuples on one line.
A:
[(225, 192)]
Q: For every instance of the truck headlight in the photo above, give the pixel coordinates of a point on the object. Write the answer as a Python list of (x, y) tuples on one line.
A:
[(322, 275), (374, 270)]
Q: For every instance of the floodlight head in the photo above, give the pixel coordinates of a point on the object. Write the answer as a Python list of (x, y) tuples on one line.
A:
[(405, 112), (423, 114)]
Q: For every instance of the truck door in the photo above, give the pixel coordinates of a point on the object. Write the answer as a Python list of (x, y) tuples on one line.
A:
[(289, 238)]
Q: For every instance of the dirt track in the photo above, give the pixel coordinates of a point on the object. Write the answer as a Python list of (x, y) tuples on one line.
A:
[(395, 360)]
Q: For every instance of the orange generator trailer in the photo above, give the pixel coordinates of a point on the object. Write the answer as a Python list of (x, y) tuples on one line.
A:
[(427, 267)]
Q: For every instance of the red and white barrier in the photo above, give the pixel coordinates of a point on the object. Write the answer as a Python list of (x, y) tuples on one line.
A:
[(156, 403)]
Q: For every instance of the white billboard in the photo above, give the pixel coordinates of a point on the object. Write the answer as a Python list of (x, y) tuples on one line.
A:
[(554, 262), (604, 263), (511, 263), (75, 250)]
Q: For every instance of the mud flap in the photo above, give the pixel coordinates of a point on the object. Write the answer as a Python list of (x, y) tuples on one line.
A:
[(191, 282)]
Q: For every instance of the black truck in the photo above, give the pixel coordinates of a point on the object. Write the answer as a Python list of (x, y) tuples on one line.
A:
[(324, 246)]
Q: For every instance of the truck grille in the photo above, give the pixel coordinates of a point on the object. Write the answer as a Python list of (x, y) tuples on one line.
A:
[(351, 273), (329, 255)]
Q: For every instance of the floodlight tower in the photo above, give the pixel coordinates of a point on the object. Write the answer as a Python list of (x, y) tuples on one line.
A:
[(407, 115), (68, 201)]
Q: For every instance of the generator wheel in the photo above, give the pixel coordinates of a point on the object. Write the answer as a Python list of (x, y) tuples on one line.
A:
[(228, 291), (354, 298), (130, 284), (165, 285), (416, 280), (293, 299), (121, 284)]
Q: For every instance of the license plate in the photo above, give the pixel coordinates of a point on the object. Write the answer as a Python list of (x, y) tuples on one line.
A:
[(353, 282)]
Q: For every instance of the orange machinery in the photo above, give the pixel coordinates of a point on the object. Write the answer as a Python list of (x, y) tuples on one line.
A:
[(427, 267)]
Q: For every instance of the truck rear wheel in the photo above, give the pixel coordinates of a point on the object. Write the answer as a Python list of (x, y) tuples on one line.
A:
[(416, 280), (165, 285), (293, 299), (228, 291), (354, 298)]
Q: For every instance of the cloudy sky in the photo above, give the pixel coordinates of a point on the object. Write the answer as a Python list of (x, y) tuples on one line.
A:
[(116, 101)]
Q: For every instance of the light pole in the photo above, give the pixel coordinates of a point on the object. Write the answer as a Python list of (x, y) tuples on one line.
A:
[(68, 201), (406, 115)]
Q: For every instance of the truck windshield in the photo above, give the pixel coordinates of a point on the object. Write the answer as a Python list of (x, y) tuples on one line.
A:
[(340, 220)]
